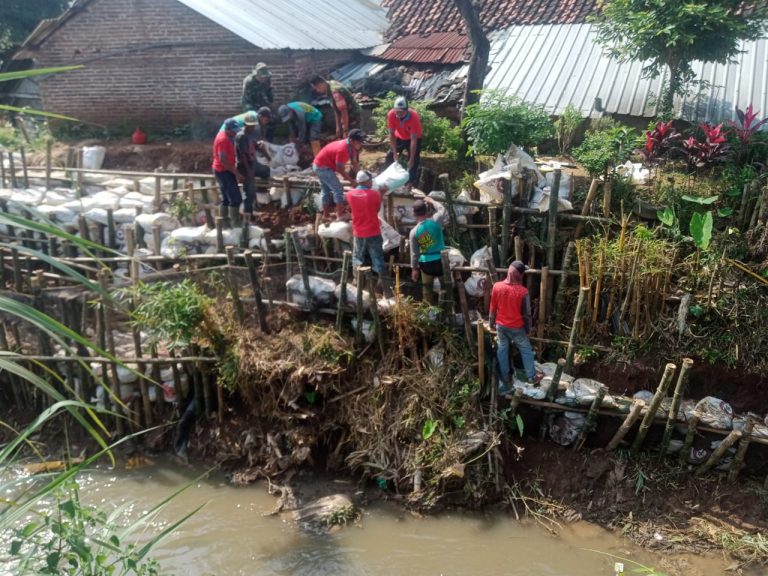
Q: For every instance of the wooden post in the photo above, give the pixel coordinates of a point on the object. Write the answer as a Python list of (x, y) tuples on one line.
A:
[(2, 169), (564, 268), (346, 258), (626, 426), (741, 451), (518, 248), (375, 314), (661, 391), (719, 452), (446, 285), (481, 353), (158, 193), (506, 216), (287, 247), (234, 287), (48, 162), (287, 191), (689, 435), (517, 396), (12, 169), (607, 189), (157, 238), (261, 311), (589, 423), (552, 228), (303, 268), (543, 289), (111, 233), (18, 280), (464, 308), (593, 187), (453, 225), (362, 274), (676, 398), (24, 166), (130, 248), (551, 395), (143, 385), (580, 307), (110, 340), (492, 234), (219, 234)]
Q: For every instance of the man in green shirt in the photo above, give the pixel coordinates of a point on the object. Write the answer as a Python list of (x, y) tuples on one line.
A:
[(345, 107), (304, 122), (426, 242)]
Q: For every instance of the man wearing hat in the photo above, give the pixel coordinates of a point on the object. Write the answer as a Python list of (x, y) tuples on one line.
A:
[(224, 168), (304, 123), (405, 133), (365, 202), (248, 143), (510, 315), (264, 118), (345, 108), (257, 88), (426, 242), (331, 160)]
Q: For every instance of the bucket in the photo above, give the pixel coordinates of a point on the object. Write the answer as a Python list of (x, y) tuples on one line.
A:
[(93, 157)]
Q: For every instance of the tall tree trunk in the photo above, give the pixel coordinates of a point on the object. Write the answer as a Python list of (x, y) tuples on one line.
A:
[(666, 110), (478, 61)]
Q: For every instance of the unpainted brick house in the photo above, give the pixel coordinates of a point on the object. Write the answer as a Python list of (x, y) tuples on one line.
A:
[(165, 63)]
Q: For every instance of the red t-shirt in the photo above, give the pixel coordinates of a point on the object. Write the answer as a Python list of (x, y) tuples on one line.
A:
[(223, 144), (403, 128), (507, 304), (335, 154), (365, 204)]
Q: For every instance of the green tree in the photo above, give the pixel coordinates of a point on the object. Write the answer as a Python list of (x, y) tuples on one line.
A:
[(674, 34), (20, 17)]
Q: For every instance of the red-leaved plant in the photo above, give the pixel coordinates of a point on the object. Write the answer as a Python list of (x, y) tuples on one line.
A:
[(747, 126), (659, 142), (712, 147)]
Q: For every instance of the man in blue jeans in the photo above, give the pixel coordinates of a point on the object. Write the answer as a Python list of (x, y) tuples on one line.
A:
[(510, 315)]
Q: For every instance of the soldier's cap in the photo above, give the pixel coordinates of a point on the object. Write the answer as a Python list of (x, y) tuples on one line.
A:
[(264, 111), (419, 208), (262, 69), (284, 112), (231, 124), (251, 119), (358, 135), (363, 176)]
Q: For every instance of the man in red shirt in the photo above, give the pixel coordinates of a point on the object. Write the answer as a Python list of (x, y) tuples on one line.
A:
[(405, 133), (224, 170), (510, 315), (332, 159), (365, 203)]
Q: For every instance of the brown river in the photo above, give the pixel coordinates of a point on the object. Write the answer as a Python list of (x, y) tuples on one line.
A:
[(233, 536)]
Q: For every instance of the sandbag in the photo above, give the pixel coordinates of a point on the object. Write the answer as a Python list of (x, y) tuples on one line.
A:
[(56, 198), (351, 303), (475, 284), (105, 200), (455, 258), (481, 257), (339, 230), (565, 428), (280, 155), (58, 214), (715, 413), (230, 236), (137, 200), (389, 235), (322, 290), (189, 234), (393, 177), (760, 429), (584, 391), (306, 237), (166, 222)]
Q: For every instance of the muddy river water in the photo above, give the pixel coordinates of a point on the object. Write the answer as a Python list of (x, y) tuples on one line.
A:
[(232, 536)]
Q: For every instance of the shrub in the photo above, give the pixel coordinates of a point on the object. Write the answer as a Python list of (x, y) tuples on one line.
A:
[(604, 149), (440, 135), (566, 127), (498, 121)]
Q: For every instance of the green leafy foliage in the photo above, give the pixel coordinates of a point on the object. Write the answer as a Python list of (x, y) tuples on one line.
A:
[(674, 34), (498, 121), (566, 127), (171, 313), (440, 134), (428, 429), (604, 149), (701, 229), (20, 17)]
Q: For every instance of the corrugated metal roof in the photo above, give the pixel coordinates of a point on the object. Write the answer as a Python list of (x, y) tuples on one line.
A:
[(554, 65), (299, 24), (435, 48)]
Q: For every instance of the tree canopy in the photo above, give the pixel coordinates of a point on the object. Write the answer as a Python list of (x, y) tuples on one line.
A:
[(20, 17), (674, 34)]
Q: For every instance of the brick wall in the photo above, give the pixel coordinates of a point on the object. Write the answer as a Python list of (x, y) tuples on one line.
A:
[(157, 62)]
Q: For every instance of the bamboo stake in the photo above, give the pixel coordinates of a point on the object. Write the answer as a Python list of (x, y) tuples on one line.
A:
[(543, 289), (551, 395), (261, 312), (626, 426), (303, 268), (741, 451), (362, 273), (506, 215), (143, 385), (492, 235), (583, 295), (2, 169), (689, 435), (481, 353), (719, 452), (375, 313), (589, 423), (110, 339), (343, 296), (607, 190), (599, 280), (661, 391), (12, 169), (464, 309), (518, 248), (593, 188), (446, 184), (552, 228), (446, 285), (234, 288), (565, 267), (219, 234), (48, 161), (677, 396)]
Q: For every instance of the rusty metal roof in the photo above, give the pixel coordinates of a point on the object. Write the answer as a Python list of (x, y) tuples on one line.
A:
[(434, 48)]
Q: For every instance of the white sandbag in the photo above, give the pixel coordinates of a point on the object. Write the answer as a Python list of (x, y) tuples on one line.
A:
[(27, 197), (166, 222), (584, 391), (565, 428), (368, 330), (322, 290), (280, 155), (540, 201), (436, 356), (351, 302), (306, 237), (58, 214), (455, 257), (147, 185), (98, 215), (386, 306), (529, 391), (149, 240), (137, 200), (759, 429), (96, 178), (80, 206), (389, 235), (715, 413), (231, 236), (263, 198), (124, 215), (56, 198), (564, 190), (339, 230), (481, 257), (172, 248), (475, 284), (126, 183), (393, 177), (105, 200), (297, 195), (93, 157), (634, 172)]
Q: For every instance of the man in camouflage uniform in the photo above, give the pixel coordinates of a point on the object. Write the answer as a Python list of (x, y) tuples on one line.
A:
[(257, 94), (345, 107)]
